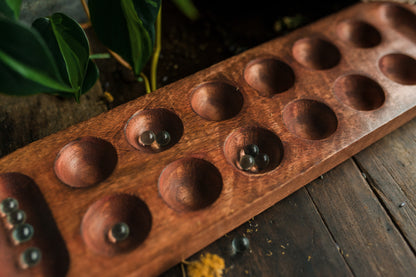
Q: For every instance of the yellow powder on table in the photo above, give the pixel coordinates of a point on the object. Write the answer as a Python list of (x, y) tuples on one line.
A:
[(209, 265)]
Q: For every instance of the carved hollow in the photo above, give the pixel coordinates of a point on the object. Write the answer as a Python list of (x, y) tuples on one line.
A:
[(85, 162), (359, 33), (310, 119), (267, 142), (400, 19), (108, 211), (316, 53), (190, 184), (269, 76), (399, 68), (55, 257), (359, 92), (216, 100), (155, 120)]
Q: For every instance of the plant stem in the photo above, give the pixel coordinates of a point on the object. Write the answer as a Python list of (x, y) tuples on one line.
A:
[(146, 82), (100, 56), (158, 48), (126, 65), (85, 6), (121, 60)]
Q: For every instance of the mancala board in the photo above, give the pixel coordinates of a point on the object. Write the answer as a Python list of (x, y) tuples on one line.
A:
[(137, 189)]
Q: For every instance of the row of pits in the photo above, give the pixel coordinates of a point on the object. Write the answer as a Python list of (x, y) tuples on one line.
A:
[(191, 184)]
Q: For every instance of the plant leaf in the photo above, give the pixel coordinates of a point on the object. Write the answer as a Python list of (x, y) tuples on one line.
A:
[(188, 8), (140, 41), (91, 76), (126, 27), (10, 8), (27, 65), (69, 46), (44, 28), (147, 10)]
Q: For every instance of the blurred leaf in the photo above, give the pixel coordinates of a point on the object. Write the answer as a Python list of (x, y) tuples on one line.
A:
[(91, 76), (147, 10), (10, 8), (126, 27), (140, 41), (44, 28), (27, 66), (69, 45), (188, 8)]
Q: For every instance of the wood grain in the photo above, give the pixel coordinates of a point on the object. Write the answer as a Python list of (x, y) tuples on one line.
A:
[(359, 219), (288, 239), (244, 194), (390, 169)]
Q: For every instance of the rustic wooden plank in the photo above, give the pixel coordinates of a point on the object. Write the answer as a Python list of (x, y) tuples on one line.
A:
[(366, 235), (289, 239), (390, 166)]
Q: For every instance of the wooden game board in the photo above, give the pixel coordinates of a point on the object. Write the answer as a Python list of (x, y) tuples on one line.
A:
[(309, 100)]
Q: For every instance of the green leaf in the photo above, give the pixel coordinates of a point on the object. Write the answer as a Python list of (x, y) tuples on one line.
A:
[(44, 28), (188, 8), (10, 8), (69, 45), (140, 40), (147, 10), (27, 66), (126, 27), (91, 76)]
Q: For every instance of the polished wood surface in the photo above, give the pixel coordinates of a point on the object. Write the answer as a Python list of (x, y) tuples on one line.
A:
[(306, 130)]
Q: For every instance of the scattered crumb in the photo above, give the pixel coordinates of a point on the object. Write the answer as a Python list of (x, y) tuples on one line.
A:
[(347, 255), (283, 246), (283, 252), (269, 241), (309, 258), (209, 265), (278, 25), (246, 271), (108, 97), (270, 253), (293, 22)]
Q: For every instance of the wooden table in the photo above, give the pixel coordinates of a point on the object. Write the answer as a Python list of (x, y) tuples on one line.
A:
[(358, 219)]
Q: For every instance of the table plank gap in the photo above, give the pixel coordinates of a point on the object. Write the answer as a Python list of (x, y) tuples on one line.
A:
[(371, 243)]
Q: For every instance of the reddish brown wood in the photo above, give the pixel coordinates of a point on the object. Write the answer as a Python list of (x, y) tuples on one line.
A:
[(399, 68), (400, 19), (310, 119), (316, 53), (269, 76), (156, 121), (46, 237), (359, 33), (190, 184), (216, 100), (359, 92), (85, 162), (105, 213), (343, 98)]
